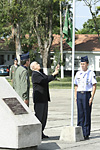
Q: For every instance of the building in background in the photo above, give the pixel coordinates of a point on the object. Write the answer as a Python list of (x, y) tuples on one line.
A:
[(6, 55), (85, 44)]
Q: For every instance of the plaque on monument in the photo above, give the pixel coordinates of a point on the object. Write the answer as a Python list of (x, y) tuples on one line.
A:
[(15, 106)]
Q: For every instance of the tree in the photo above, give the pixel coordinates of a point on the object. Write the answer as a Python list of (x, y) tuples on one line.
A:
[(37, 18), (91, 4), (89, 27), (40, 14), (11, 15)]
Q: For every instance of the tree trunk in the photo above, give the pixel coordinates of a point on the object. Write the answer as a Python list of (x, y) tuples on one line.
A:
[(44, 49), (44, 39), (16, 36), (17, 42), (45, 61)]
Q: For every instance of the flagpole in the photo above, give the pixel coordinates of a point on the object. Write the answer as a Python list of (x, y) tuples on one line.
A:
[(75, 133), (73, 53), (61, 44)]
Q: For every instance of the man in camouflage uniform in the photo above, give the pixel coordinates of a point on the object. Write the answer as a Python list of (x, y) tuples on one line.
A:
[(13, 69), (22, 82)]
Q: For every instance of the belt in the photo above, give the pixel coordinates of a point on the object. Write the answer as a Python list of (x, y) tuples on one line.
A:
[(82, 92)]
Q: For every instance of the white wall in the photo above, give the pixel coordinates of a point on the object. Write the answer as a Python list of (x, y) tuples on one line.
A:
[(7, 54), (94, 59)]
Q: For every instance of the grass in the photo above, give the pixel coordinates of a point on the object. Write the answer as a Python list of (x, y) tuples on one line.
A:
[(61, 83), (66, 83)]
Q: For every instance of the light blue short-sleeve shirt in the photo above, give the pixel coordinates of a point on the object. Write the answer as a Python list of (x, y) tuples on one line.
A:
[(85, 80)]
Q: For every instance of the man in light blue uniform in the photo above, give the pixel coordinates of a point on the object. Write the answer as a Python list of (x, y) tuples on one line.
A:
[(85, 87)]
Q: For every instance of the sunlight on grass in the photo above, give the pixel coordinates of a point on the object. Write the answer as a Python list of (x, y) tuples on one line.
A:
[(61, 83)]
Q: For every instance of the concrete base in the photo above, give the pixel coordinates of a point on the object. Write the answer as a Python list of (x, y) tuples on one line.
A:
[(72, 134)]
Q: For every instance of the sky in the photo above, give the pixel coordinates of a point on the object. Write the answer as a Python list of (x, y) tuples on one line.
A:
[(82, 14)]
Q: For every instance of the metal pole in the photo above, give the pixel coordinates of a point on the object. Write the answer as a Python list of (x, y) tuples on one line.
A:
[(73, 51), (61, 44)]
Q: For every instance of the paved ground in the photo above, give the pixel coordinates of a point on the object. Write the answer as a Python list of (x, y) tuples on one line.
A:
[(60, 116)]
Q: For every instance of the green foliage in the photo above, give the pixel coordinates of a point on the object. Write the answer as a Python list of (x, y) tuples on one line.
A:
[(89, 27), (98, 8), (94, 13), (11, 12), (30, 15), (39, 16), (98, 79)]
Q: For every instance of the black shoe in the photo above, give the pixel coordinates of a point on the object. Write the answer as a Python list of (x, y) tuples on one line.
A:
[(86, 137), (44, 136)]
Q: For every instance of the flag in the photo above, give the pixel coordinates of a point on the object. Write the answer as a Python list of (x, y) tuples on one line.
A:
[(68, 29)]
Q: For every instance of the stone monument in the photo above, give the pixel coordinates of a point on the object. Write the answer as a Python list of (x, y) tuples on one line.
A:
[(19, 128)]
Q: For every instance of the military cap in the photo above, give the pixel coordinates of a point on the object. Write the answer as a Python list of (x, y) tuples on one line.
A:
[(16, 59), (84, 59), (24, 56)]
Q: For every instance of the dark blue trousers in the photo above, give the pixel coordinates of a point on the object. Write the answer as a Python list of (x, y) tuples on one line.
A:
[(84, 112)]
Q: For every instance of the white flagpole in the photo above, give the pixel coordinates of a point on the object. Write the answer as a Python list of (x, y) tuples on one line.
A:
[(73, 53), (61, 44)]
